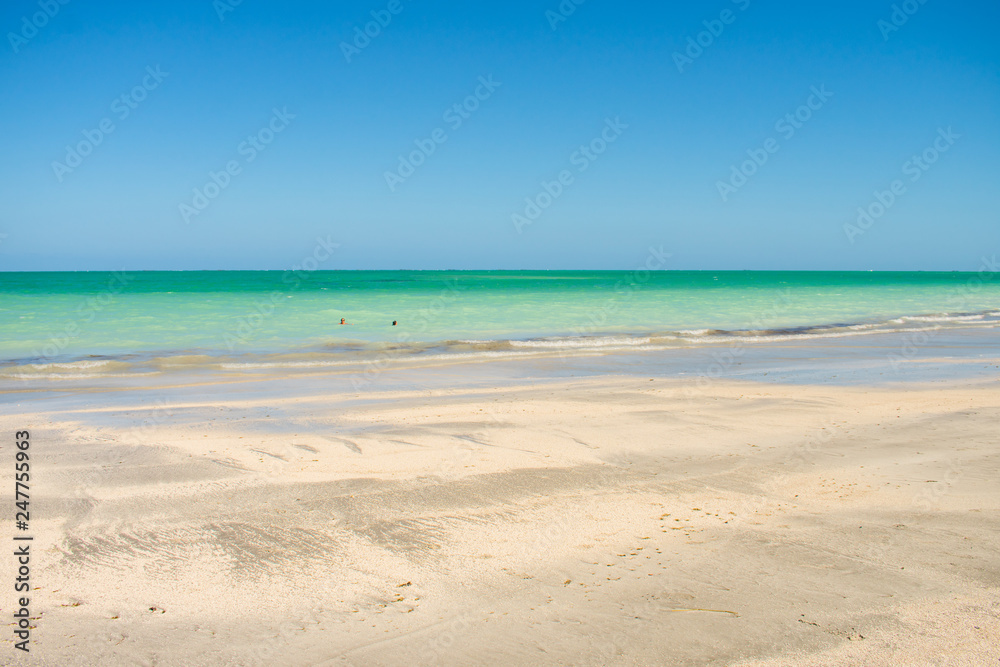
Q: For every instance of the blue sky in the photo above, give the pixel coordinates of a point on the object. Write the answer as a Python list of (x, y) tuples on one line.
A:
[(663, 132)]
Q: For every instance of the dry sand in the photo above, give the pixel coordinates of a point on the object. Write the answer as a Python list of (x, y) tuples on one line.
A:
[(590, 522)]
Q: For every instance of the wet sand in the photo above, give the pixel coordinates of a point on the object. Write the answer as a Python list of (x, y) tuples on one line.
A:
[(599, 520)]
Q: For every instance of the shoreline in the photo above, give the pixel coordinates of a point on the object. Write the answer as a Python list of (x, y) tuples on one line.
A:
[(877, 356)]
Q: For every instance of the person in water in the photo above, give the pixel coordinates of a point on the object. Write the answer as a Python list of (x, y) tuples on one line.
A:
[(343, 321), (394, 323)]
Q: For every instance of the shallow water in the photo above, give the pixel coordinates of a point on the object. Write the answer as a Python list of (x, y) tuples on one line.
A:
[(92, 323)]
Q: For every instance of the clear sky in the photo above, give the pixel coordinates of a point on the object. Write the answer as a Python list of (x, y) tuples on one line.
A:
[(312, 118)]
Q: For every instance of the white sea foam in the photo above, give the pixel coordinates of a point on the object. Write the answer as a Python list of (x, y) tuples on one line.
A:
[(971, 317), (73, 365), (581, 342)]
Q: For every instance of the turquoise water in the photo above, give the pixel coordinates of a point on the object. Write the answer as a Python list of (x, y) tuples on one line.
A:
[(60, 318)]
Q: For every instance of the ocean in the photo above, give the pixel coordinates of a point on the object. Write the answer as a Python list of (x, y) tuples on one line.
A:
[(77, 323)]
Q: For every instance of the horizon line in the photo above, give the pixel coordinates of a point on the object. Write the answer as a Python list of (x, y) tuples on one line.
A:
[(634, 269)]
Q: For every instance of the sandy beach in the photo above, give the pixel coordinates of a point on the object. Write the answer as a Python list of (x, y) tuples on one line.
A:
[(403, 334), (599, 520)]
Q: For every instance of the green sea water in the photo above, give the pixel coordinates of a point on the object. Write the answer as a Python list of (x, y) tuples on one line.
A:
[(60, 318)]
